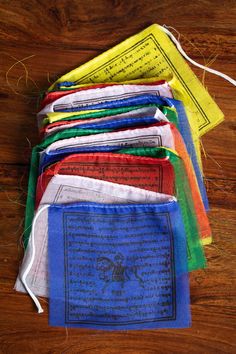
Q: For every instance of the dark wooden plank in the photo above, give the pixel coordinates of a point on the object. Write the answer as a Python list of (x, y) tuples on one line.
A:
[(89, 24), (64, 34)]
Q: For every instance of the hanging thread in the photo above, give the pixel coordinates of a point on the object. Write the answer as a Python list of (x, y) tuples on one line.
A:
[(28, 268), (180, 49)]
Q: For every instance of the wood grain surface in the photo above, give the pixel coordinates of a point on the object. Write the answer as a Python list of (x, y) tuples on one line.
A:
[(58, 36)]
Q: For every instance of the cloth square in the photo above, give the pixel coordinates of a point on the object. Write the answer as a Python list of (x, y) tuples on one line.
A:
[(63, 91), (144, 172), (111, 277), (161, 134), (64, 189), (184, 127), (93, 96), (136, 113), (126, 170)]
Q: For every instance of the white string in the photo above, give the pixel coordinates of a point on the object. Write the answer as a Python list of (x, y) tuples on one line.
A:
[(180, 49), (28, 268)]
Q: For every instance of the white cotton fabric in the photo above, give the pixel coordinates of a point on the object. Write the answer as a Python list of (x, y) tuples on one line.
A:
[(149, 137), (64, 189), (137, 113), (88, 97)]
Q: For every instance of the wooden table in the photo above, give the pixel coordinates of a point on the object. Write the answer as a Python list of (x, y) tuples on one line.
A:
[(58, 36)]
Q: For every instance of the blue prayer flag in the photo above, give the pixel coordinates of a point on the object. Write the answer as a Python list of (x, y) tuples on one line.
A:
[(118, 266)]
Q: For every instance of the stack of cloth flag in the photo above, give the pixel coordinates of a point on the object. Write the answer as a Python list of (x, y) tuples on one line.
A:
[(116, 213)]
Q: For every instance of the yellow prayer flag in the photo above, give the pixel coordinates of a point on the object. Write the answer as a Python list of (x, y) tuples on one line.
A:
[(147, 54)]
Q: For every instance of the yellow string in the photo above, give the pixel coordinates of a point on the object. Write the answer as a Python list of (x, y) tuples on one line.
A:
[(26, 76)]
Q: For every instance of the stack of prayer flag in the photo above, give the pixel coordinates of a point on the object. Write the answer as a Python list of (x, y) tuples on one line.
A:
[(116, 214)]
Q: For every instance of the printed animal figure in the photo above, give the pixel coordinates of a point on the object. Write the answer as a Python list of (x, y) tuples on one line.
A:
[(119, 271), (116, 272)]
